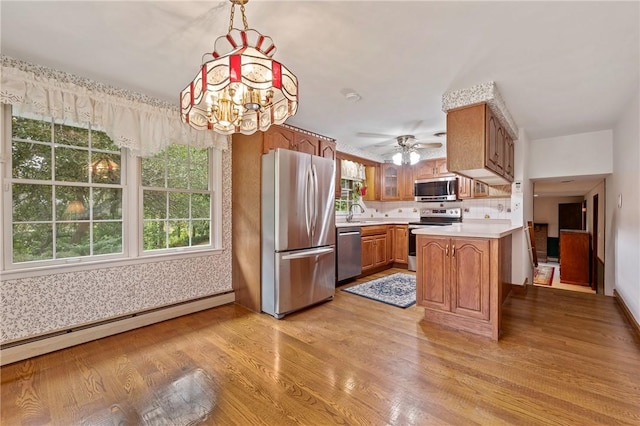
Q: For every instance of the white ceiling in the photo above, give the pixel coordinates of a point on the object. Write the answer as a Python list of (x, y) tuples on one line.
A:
[(561, 67)]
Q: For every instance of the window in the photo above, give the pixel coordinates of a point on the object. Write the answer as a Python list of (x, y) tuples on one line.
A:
[(75, 197), (66, 192), (176, 198)]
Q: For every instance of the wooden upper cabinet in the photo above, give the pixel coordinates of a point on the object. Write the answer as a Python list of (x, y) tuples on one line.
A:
[(396, 182), (494, 156), (277, 137), (478, 146), (298, 140), (327, 149), (508, 157), (406, 183), (372, 183), (441, 167), (305, 143), (431, 168), (390, 181), (465, 189)]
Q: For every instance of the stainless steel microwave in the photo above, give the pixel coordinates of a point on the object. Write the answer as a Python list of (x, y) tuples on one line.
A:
[(436, 189)]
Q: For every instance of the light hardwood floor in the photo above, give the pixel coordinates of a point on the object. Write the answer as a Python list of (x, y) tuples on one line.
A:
[(564, 358)]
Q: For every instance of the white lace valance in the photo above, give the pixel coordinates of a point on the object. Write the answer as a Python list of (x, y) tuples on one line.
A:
[(137, 122)]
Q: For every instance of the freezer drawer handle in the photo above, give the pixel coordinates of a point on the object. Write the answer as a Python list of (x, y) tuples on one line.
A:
[(308, 253)]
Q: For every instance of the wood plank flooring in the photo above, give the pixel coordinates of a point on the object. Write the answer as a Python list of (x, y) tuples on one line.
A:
[(564, 358)]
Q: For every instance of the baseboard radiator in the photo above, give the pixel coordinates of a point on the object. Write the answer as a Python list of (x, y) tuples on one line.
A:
[(20, 350)]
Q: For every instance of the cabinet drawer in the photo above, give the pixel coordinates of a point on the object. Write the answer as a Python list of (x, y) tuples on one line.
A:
[(373, 230)]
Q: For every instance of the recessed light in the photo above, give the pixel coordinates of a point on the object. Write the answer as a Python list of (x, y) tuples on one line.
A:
[(535, 195)]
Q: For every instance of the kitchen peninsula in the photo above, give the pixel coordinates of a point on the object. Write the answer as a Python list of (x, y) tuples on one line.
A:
[(464, 274)]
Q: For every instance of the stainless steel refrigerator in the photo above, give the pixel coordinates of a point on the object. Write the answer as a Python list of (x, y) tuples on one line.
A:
[(298, 231)]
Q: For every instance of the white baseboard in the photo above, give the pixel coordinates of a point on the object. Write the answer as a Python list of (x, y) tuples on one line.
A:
[(30, 349)]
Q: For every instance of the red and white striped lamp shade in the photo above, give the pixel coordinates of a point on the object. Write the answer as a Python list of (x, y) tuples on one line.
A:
[(242, 90)]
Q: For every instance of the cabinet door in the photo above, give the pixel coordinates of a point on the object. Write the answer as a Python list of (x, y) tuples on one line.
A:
[(433, 272), (495, 140), (480, 189), (464, 187), (391, 243), (277, 137), (338, 176), (440, 165), (305, 143), (400, 244), (508, 158), (380, 250), (367, 252), (470, 278), (425, 169), (390, 181), (406, 183), (327, 149), (372, 183)]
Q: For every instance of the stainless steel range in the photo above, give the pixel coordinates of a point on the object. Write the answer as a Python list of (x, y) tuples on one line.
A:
[(439, 215)]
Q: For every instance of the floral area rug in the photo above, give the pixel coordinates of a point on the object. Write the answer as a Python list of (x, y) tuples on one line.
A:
[(396, 289)]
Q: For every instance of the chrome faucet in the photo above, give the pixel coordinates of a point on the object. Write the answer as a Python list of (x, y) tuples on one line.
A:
[(350, 211)]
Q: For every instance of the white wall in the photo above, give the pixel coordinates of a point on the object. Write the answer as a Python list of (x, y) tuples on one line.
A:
[(545, 210), (572, 155), (521, 213), (622, 246)]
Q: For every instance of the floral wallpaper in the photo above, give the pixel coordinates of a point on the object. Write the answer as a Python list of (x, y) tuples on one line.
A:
[(45, 304)]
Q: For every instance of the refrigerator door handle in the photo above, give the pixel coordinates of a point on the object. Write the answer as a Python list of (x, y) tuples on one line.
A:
[(309, 253), (307, 201), (314, 220)]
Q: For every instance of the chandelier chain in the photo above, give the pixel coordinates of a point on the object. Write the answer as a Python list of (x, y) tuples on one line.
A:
[(244, 16)]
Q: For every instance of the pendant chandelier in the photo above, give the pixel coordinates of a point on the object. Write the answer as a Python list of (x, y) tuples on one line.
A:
[(241, 89)]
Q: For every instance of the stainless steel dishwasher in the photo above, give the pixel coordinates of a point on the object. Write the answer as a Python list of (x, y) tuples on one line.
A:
[(348, 257)]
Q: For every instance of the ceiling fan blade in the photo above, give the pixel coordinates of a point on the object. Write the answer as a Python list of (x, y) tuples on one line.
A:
[(385, 143), (416, 125), (423, 145), (374, 135)]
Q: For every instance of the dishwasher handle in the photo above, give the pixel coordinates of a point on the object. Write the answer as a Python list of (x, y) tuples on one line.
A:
[(344, 234)]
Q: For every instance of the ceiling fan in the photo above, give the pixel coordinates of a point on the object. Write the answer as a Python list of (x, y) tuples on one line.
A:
[(404, 142), (407, 146)]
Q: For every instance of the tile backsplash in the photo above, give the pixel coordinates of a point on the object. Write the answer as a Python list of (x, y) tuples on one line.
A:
[(487, 208)]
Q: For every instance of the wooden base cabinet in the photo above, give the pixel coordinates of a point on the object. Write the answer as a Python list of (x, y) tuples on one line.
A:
[(460, 281), (374, 247), (401, 244)]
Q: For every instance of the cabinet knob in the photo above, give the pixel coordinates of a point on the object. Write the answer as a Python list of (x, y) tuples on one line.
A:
[(453, 251)]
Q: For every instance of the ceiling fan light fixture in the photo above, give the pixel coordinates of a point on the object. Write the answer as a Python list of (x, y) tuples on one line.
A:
[(241, 89), (406, 157)]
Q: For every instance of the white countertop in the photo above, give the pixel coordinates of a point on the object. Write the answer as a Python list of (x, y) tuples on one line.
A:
[(477, 230)]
